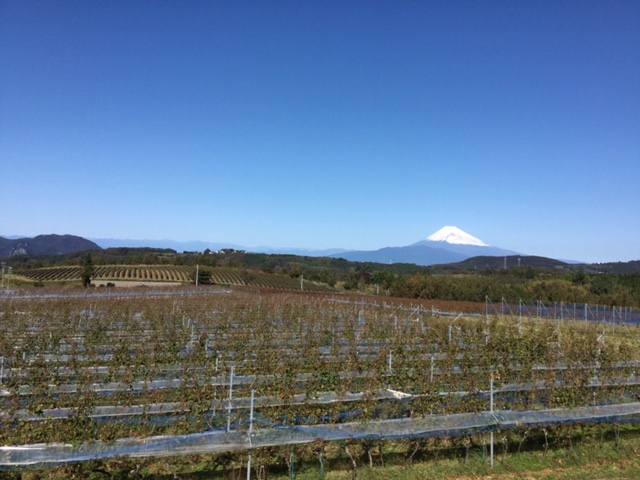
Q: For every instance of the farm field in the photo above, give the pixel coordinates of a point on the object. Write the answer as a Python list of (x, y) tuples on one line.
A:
[(107, 372), (133, 275)]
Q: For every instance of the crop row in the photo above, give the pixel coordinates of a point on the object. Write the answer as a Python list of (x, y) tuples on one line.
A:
[(144, 273), (462, 429), (60, 350), (174, 273), (506, 395), (142, 387), (113, 272)]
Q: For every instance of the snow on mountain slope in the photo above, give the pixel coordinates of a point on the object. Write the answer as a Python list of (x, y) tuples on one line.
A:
[(455, 236), (447, 245)]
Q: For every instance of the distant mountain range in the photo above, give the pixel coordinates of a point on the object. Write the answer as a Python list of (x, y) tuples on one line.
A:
[(199, 246), (11, 246), (447, 245), (45, 245), (448, 248), (188, 246)]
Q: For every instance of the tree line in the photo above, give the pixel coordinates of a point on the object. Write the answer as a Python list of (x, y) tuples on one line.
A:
[(571, 285)]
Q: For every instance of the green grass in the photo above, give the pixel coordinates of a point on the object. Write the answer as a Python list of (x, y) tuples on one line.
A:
[(594, 456), (589, 454)]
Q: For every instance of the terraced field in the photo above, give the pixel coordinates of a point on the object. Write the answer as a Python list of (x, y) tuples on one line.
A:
[(173, 273)]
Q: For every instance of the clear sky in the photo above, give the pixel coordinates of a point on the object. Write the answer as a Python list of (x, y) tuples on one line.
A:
[(318, 124)]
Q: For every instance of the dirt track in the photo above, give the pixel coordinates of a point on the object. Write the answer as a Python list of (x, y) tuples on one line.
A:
[(134, 283)]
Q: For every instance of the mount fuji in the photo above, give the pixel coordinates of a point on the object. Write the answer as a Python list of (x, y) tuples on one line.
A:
[(455, 236), (447, 245)]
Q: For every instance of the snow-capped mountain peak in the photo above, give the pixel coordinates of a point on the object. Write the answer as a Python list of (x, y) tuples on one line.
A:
[(447, 245), (455, 236)]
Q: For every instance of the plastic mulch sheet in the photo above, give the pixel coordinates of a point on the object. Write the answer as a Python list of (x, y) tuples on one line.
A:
[(265, 434)]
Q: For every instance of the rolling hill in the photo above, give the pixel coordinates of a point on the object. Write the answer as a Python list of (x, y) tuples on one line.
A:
[(45, 245)]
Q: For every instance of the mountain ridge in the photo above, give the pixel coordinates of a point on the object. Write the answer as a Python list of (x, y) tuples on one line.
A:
[(433, 250), (403, 257), (50, 244), (200, 246), (448, 245)]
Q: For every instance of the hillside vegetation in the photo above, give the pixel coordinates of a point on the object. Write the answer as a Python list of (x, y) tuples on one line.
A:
[(105, 275), (536, 279), (45, 245)]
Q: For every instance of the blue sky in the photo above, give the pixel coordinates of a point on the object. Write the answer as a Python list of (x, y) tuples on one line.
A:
[(318, 124)]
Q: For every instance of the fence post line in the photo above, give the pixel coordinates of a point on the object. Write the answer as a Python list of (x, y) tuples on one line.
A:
[(519, 316), (250, 433), (230, 399), (520, 327), (432, 361), (486, 308), (491, 410)]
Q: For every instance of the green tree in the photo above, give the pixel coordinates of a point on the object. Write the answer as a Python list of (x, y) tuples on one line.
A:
[(604, 285), (204, 276), (579, 278), (87, 271)]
